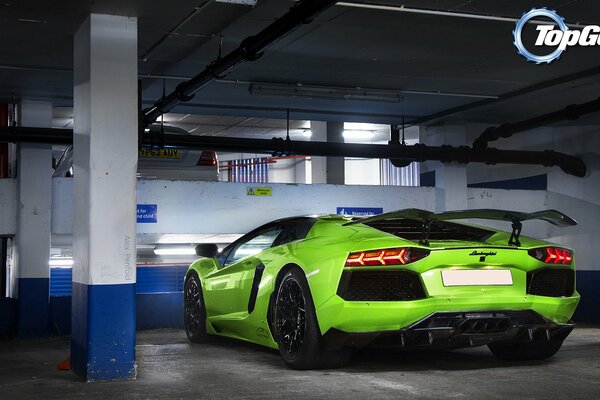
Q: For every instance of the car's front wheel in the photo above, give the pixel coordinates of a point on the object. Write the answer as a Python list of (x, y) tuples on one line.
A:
[(297, 329), (537, 350), (194, 313)]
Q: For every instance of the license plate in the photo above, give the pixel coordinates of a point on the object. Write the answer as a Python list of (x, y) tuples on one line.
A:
[(159, 153), (477, 277)]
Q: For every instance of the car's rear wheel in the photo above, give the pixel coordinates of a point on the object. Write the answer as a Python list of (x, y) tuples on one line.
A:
[(194, 313), (537, 350), (297, 329)]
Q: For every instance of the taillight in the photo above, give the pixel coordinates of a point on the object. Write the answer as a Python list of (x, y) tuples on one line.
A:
[(552, 255), (207, 159), (398, 256)]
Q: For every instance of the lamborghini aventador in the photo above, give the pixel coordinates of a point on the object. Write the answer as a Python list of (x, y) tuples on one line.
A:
[(319, 288)]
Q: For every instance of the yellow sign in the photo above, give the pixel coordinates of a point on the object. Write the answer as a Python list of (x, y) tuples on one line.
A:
[(260, 191), (159, 153)]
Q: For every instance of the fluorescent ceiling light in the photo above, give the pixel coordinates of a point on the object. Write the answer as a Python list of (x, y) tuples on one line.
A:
[(357, 135), (182, 239), (325, 92), (402, 8), (174, 251), (61, 262), (242, 2), (362, 126)]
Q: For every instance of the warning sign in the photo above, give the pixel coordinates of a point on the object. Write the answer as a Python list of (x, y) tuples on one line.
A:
[(259, 191)]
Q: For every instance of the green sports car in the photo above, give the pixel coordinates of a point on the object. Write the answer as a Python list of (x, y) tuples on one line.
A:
[(318, 288)]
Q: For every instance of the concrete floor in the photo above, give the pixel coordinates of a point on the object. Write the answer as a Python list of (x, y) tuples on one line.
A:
[(171, 368)]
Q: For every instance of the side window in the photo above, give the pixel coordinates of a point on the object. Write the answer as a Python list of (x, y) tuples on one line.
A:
[(296, 231), (255, 245), (223, 256)]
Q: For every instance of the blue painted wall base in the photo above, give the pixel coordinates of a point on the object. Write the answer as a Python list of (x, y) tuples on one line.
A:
[(159, 310), (103, 331), (153, 311), (9, 310), (536, 182), (34, 308), (588, 285)]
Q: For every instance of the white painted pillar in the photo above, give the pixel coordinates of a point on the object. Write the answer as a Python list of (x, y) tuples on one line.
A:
[(105, 163), (30, 281), (450, 178)]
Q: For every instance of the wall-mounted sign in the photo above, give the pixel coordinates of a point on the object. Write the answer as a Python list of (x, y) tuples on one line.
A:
[(259, 191), (359, 211), (147, 213)]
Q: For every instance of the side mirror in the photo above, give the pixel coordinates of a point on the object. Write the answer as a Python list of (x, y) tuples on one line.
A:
[(208, 250)]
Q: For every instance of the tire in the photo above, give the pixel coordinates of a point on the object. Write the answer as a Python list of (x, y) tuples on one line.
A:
[(194, 312), (296, 328), (538, 350)]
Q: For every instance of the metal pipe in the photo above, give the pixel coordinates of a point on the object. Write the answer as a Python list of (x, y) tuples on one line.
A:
[(278, 147), (505, 96), (419, 152), (19, 134), (571, 112), (441, 13), (250, 49)]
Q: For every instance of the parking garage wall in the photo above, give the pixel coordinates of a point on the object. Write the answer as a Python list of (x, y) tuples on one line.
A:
[(220, 207), (8, 206)]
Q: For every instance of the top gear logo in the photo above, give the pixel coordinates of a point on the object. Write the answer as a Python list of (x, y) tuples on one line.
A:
[(548, 35)]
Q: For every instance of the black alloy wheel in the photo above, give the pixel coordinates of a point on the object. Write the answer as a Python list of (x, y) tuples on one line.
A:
[(290, 317), (296, 328), (194, 313)]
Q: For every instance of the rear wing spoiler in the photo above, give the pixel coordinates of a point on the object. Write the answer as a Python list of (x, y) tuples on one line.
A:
[(515, 217)]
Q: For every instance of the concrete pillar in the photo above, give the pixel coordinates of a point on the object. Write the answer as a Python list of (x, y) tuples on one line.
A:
[(34, 197), (327, 169), (300, 171), (335, 165), (105, 163), (450, 178)]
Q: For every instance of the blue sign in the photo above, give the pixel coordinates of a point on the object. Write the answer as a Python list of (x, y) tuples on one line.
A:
[(359, 211), (147, 213)]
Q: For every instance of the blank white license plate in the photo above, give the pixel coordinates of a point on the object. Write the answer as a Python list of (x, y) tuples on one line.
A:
[(476, 277)]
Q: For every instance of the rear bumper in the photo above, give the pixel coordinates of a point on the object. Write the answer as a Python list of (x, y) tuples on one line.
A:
[(458, 329), (379, 316)]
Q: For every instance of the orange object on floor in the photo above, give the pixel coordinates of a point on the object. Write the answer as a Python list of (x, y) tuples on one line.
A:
[(64, 365)]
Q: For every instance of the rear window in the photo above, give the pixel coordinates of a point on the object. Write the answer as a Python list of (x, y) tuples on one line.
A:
[(411, 229)]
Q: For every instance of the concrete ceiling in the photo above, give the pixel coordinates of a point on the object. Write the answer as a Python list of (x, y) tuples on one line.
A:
[(343, 47)]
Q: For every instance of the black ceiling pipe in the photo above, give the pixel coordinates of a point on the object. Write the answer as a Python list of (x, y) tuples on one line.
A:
[(571, 112), (18, 134), (278, 146), (418, 152), (250, 49), (505, 96)]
